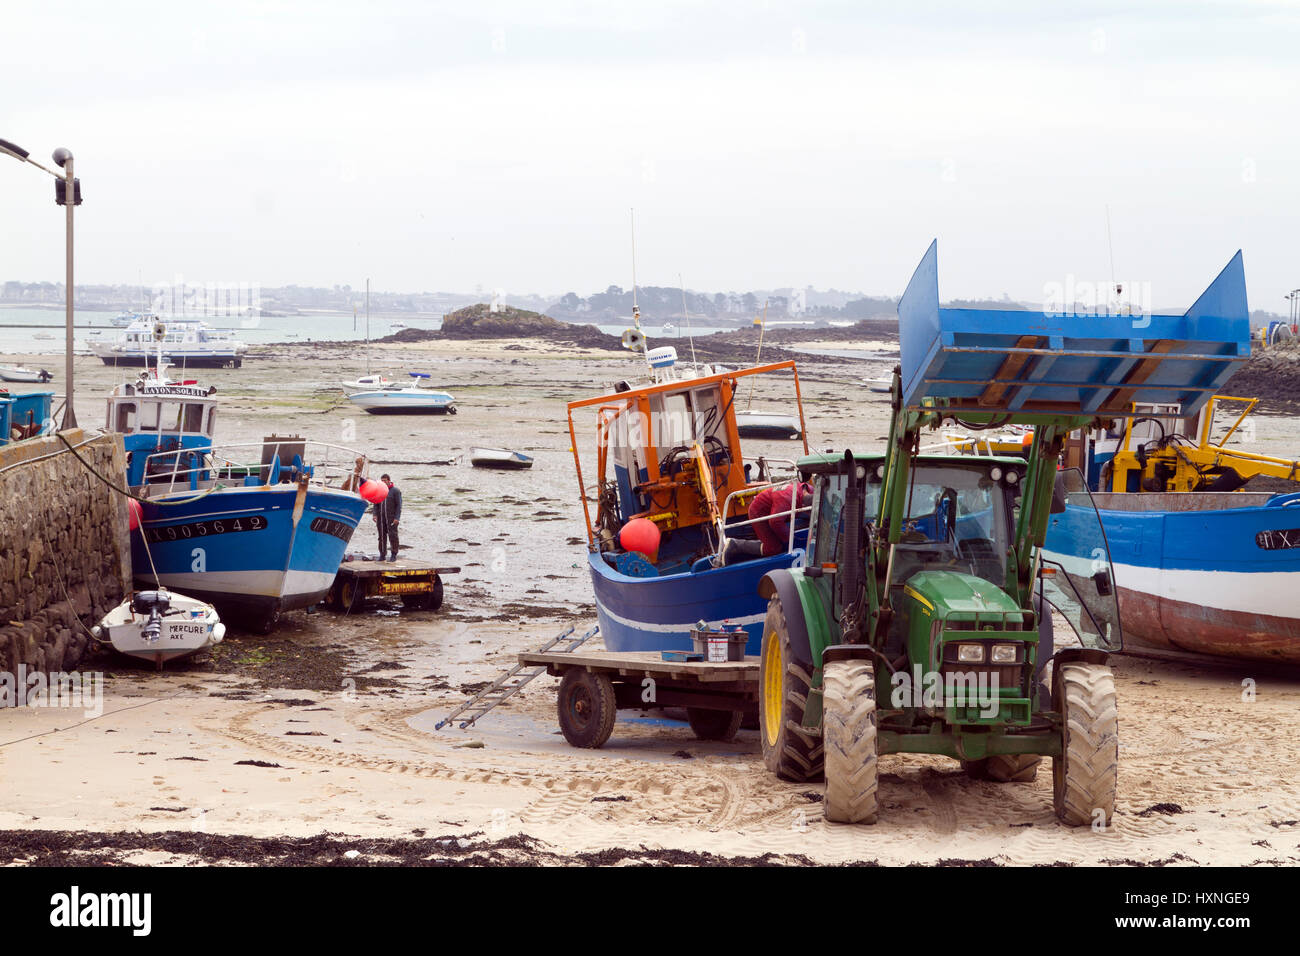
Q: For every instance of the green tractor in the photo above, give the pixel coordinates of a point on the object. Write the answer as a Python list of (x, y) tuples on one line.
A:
[(920, 620), (921, 623)]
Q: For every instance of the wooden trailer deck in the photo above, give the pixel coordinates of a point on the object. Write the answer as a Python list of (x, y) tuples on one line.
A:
[(594, 685)]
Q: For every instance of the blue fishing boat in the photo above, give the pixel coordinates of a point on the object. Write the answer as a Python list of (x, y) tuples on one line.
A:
[(1200, 566), (255, 529), (667, 453)]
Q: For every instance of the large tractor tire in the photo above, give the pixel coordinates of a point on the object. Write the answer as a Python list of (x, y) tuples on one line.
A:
[(789, 751), (1085, 775), (849, 735)]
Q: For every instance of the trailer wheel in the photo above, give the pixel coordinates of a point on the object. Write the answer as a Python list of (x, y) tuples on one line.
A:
[(714, 724), (1085, 775), (1004, 768), (789, 750), (351, 596), (586, 708), (849, 735)]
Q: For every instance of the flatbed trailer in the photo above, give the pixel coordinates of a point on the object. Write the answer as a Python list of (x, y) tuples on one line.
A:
[(594, 685), (417, 583)]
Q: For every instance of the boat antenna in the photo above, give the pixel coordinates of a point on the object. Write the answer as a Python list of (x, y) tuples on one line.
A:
[(687, 313), (367, 327), (1110, 247), (636, 312), (762, 327)]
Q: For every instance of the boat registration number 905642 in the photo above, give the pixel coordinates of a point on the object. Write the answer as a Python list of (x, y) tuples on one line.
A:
[(203, 529)]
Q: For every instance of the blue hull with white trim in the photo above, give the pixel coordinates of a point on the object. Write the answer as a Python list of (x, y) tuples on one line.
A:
[(250, 551), (1198, 572), (658, 613)]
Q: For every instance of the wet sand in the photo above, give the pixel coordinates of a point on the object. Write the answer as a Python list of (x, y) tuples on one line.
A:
[(317, 744)]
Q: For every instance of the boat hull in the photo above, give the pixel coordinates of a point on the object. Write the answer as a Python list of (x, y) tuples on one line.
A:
[(179, 359), (1220, 581), (241, 550), (658, 613)]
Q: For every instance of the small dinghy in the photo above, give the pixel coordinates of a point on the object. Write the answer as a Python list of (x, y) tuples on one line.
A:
[(161, 625), (768, 425), (499, 458), (20, 373)]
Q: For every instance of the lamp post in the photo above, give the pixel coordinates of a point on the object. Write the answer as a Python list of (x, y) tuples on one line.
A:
[(67, 192)]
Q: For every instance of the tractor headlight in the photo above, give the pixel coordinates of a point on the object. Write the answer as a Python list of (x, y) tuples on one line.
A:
[(1013, 476), (1005, 653), (995, 473), (970, 653)]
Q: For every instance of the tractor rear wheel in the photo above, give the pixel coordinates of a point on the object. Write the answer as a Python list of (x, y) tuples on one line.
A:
[(789, 750), (849, 735), (1085, 775), (1004, 768)]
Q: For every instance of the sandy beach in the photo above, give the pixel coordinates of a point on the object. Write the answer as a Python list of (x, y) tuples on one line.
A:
[(317, 744)]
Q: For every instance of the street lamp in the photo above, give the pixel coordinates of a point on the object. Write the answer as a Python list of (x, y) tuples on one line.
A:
[(67, 192)]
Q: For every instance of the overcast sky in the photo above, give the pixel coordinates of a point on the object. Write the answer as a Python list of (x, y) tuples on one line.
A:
[(437, 146)]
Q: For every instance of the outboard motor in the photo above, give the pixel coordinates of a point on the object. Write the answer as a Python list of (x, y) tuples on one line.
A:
[(153, 603)]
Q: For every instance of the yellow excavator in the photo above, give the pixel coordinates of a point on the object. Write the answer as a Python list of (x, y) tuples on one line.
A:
[(1156, 453)]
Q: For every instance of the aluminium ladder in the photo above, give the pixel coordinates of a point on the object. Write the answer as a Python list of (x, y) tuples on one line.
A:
[(513, 680)]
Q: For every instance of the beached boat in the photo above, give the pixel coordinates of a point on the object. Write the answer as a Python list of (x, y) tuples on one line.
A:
[(761, 424), (186, 343), (21, 373), (160, 625), (668, 451), (499, 458), (417, 397), (1199, 566), (24, 414), (254, 528)]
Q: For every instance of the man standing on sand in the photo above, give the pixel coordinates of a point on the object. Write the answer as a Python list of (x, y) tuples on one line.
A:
[(387, 514)]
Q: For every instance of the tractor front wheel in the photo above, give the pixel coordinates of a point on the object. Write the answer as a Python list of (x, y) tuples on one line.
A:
[(1085, 775), (849, 736), (789, 750)]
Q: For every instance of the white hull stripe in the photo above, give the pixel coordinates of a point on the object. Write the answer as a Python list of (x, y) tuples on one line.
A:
[(676, 628)]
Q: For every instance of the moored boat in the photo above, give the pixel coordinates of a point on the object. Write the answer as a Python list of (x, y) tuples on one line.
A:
[(21, 373), (254, 528), (417, 397), (667, 454), (186, 343), (501, 458), (159, 625), (762, 424)]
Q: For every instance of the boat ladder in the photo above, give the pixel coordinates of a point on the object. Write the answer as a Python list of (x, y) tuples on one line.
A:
[(512, 681)]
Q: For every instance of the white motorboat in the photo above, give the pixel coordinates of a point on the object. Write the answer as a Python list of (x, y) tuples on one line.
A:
[(760, 424), (417, 397), (186, 343), (161, 625), (367, 383), (20, 373), (499, 458)]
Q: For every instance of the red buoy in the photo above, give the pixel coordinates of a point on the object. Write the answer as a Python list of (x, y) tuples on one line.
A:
[(133, 511), (641, 534), (373, 491)]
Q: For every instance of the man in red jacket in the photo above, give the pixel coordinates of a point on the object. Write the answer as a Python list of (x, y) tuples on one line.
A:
[(774, 533)]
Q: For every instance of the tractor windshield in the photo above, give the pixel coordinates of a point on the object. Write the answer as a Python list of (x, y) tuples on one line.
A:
[(1076, 575), (956, 518)]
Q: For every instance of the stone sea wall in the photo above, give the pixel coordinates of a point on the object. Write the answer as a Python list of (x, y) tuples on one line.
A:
[(65, 555)]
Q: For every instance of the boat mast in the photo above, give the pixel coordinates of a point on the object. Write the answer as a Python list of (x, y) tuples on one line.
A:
[(762, 327), (367, 327), (685, 312)]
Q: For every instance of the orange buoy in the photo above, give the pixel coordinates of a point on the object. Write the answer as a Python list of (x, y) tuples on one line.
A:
[(641, 534), (133, 512), (373, 491)]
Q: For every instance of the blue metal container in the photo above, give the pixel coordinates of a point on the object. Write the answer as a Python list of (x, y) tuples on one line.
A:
[(1068, 363)]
